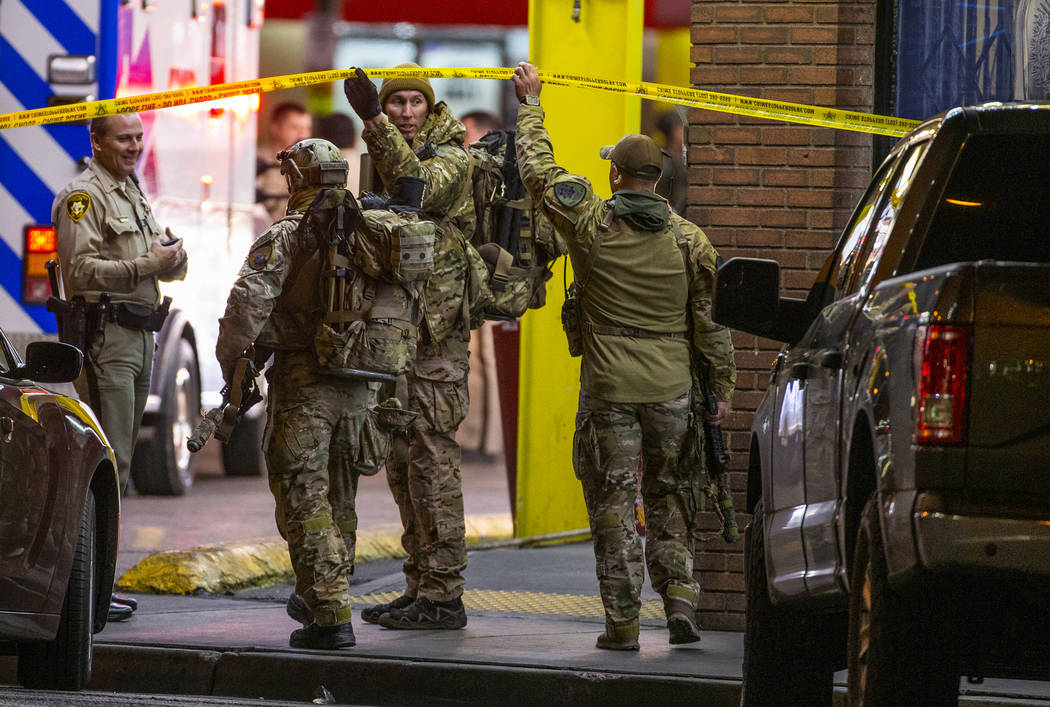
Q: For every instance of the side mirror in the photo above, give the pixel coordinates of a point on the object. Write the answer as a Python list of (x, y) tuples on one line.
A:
[(747, 292), (747, 298), (52, 362)]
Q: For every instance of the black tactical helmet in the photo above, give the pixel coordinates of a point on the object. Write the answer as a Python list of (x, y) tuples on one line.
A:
[(313, 163)]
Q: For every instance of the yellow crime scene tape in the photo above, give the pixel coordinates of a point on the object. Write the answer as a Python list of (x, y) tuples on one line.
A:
[(695, 98)]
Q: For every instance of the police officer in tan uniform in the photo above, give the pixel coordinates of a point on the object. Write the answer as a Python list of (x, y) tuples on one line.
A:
[(108, 242)]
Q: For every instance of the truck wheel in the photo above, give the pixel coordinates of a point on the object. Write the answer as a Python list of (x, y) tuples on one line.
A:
[(788, 653), (901, 649), (162, 464), (242, 455), (65, 662)]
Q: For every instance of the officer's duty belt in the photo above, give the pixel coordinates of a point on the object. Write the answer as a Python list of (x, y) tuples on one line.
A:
[(136, 316), (634, 332)]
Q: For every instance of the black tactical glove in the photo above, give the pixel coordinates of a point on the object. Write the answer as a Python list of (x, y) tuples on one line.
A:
[(362, 95)]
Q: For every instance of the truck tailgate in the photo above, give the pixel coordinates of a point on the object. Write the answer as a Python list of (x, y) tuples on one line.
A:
[(1009, 423)]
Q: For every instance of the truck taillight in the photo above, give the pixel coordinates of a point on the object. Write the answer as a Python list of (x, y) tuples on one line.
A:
[(942, 357), (41, 244)]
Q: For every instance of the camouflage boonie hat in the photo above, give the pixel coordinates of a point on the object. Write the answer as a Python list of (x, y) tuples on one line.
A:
[(313, 163)]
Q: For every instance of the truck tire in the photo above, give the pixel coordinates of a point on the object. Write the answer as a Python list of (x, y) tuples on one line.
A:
[(788, 653), (901, 649), (162, 463), (242, 455), (65, 662)]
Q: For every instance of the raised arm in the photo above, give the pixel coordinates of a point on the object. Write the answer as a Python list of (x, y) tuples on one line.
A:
[(564, 197)]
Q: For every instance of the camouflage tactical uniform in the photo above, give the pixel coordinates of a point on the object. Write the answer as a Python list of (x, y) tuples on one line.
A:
[(423, 469), (315, 422), (105, 229), (635, 374)]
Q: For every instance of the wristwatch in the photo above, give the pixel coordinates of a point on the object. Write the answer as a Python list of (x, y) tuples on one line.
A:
[(530, 100)]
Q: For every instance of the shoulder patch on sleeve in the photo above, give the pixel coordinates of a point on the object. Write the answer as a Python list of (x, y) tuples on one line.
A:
[(261, 256), (263, 253), (77, 204), (569, 193)]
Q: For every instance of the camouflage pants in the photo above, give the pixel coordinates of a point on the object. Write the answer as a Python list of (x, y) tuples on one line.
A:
[(312, 444), (423, 473), (611, 439)]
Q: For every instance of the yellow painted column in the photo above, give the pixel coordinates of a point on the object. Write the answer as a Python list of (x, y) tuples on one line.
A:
[(606, 42)]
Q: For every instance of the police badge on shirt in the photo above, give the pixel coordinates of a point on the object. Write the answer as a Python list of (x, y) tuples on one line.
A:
[(77, 205)]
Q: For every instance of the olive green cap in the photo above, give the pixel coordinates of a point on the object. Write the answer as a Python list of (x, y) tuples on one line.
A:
[(393, 85), (637, 155)]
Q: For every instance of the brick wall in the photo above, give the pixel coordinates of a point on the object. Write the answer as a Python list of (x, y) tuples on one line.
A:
[(772, 190)]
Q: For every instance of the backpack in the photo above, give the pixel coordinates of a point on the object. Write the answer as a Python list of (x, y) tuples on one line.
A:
[(374, 264), (516, 241)]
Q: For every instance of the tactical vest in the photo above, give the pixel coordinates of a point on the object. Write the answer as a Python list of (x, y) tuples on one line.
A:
[(373, 267)]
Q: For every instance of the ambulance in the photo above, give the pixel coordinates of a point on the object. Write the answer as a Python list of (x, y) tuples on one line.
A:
[(197, 169)]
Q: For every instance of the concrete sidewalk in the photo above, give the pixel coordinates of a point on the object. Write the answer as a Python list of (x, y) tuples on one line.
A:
[(533, 618)]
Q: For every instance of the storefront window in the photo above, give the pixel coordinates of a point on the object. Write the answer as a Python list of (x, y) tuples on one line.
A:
[(954, 52)]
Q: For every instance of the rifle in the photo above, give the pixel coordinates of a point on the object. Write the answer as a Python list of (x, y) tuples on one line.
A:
[(238, 396), (717, 488)]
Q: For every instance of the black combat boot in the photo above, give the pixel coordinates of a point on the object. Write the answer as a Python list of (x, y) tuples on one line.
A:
[(427, 614), (323, 638), (371, 614)]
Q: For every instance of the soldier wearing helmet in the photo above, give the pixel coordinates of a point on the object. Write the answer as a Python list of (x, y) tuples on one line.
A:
[(315, 421)]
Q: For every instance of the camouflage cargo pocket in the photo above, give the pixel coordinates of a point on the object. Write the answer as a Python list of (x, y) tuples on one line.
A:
[(336, 349), (373, 445), (388, 347), (447, 404), (294, 438), (584, 445)]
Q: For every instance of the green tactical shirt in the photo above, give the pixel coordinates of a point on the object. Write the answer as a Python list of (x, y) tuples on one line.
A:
[(105, 228), (638, 280), (438, 157)]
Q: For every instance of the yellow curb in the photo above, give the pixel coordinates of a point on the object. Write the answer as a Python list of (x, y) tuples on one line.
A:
[(234, 566)]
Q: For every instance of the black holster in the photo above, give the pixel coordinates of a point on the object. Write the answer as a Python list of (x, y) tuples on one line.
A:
[(137, 316), (78, 321)]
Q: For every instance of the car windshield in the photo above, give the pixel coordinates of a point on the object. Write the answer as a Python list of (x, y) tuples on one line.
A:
[(995, 205)]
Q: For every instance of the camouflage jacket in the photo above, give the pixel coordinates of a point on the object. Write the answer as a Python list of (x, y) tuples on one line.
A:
[(437, 155), (105, 229), (638, 281), (275, 302)]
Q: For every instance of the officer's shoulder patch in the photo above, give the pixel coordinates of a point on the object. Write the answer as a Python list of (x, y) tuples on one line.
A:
[(261, 256), (77, 204), (569, 192)]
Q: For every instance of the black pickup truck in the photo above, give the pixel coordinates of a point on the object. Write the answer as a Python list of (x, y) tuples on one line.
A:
[(899, 473)]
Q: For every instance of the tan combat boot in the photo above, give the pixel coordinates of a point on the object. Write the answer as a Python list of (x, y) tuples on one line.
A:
[(622, 637), (680, 610)]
